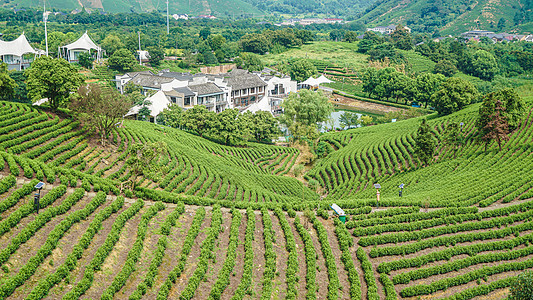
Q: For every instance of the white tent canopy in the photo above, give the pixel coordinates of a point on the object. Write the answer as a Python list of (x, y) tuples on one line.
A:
[(158, 103), (18, 47), (83, 44), (316, 82), (262, 104)]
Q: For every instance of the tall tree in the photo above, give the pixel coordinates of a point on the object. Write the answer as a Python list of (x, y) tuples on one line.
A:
[(514, 107), (7, 84), (494, 126), (454, 94), (302, 69), (52, 78), (425, 143), (99, 108), (484, 65), (426, 85), (303, 110), (265, 126), (349, 119), (453, 137), (198, 119), (122, 60), (157, 54), (144, 160)]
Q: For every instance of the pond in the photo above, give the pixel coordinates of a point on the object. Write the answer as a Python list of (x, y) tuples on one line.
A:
[(335, 116)]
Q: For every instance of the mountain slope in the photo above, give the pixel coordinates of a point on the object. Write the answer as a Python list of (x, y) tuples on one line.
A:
[(194, 7), (450, 16)]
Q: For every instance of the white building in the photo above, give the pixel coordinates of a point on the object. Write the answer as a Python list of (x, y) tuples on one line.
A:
[(18, 54), (387, 29)]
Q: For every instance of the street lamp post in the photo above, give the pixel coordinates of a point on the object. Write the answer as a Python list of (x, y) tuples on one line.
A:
[(401, 189), (461, 126), (37, 196)]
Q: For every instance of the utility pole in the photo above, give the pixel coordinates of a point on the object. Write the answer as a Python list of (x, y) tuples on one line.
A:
[(45, 18), (167, 19), (140, 62)]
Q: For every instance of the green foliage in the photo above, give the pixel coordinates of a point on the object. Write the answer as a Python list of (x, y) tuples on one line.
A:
[(122, 60), (157, 54), (8, 86), (522, 288), (484, 65), (425, 143), (52, 78), (454, 94), (349, 119), (445, 67), (302, 69), (85, 60)]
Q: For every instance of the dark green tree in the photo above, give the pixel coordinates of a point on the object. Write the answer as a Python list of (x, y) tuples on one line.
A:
[(426, 85), (454, 94), (445, 67), (425, 143), (402, 38), (157, 54), (7, 84), (122, 60), (484, 65), (255, 43), (85, 59), (302, 69), (453, 137), (52, 78), (205, 33), (350, 37)]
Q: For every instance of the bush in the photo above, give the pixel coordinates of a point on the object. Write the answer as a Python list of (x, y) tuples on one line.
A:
[(523, 287)]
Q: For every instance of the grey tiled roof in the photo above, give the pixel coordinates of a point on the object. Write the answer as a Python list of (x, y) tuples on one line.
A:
[(185, 91), (241, 79), (151, 81), (205, 89), (178, 76)]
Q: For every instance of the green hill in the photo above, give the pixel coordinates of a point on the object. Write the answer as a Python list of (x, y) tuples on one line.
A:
[(192, 7), (450, 16)]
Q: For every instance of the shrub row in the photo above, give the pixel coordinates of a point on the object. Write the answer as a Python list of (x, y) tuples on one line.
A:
[(331, 265), (6, 183), (103, 252), (372, 288), (292, 261), (433, 232), (270, 255), (443, 284), (310, 260), (224, 274), (134, 253), (411, 217), (17, 194), (46, 284), (459, 264), (26, 209), (246, 279), (50, 244), (205, 254), (187, 245), (345, 242), (447, 254), (162, 243)]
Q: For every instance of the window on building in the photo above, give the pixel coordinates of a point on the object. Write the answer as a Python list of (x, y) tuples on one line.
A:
[(187, 101), (173, 99), (252, 90)]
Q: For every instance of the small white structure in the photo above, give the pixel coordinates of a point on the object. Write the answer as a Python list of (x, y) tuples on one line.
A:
[(262, 105), (315, 82), (12, 53), (158, 102), (72, 51)]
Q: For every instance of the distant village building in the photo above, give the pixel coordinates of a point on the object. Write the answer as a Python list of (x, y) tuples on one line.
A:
[(180, 16), (207, 17), (72, 51), (309, 21), (477, 35), (143, 56), (387, 29), (18, 54), (240, 89)]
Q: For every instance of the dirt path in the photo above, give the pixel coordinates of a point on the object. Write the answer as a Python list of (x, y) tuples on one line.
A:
[(259, 259), (340, 100)]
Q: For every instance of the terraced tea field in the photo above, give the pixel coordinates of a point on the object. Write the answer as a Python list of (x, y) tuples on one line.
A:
[(225, 223)]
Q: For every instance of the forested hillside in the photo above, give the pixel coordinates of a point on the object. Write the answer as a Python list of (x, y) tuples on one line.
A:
[(450, 16), (213, 7)]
